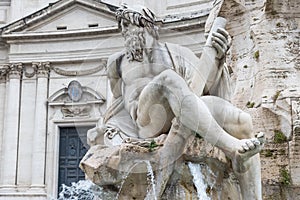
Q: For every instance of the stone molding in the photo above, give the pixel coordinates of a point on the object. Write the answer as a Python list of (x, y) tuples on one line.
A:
[(63, 72), (61, 98)]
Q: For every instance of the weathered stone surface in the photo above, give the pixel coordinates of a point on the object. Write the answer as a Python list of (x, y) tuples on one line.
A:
[(270, 80)]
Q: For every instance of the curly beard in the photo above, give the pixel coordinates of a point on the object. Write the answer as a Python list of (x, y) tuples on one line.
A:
[(134, 44)]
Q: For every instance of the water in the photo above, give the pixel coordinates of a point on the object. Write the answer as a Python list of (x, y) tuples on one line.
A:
[(150, 179), (124, 179), (198, 180), (87, 190), (84, 190), (150, 176)]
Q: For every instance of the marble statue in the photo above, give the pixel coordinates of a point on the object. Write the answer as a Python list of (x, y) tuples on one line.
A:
[(162, 95)]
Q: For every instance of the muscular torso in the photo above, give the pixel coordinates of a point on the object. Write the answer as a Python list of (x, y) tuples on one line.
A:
[(136, 75)]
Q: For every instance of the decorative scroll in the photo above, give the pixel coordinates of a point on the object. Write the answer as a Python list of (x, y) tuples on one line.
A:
[(11, 70), (15, 70), (3, 71), (80, 72), (37, 68), (42, 68)]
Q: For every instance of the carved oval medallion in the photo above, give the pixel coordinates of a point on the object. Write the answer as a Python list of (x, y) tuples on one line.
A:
[(75, 91)]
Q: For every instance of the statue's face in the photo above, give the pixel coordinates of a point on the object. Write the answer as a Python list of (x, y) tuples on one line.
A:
[(128, 28), (134, 40)]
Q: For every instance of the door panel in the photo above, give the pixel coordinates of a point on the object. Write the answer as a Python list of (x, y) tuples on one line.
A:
[(71, 151)]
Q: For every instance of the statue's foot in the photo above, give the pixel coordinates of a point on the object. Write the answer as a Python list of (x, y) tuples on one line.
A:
[(247, 149)]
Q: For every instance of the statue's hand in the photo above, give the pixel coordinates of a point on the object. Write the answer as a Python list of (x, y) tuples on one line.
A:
[(221, 42)]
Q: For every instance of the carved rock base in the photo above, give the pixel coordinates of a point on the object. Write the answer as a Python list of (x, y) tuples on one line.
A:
[(133, 170)]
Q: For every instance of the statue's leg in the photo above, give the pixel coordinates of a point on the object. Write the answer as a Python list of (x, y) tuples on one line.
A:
[(196, 115), (170, 88), (239, 124), (235, 121)]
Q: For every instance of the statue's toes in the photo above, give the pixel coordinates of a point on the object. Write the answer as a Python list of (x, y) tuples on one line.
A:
[(248, 145), (261, 137), (251, 145), (244, 148)]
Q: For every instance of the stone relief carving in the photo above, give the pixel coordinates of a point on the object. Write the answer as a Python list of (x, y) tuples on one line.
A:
[(76, 111), (3, 71), (164, 94), (80, 72), (11, 70), (41, 69), (76, 101), (15, 70), (29, 72)]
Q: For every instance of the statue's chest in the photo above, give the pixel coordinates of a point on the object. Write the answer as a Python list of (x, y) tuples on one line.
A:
[(131, 71)]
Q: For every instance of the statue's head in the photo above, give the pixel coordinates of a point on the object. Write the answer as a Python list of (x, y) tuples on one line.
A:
[(139, 16), (135, 22)]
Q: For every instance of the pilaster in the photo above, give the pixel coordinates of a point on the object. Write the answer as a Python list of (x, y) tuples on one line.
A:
[(3, 74), (26, 132), (40, 125), (11, 127)]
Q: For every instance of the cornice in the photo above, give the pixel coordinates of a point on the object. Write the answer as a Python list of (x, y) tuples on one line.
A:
[(60, 34), (16, 31), (51, 10), (188, 23), (5, 3)]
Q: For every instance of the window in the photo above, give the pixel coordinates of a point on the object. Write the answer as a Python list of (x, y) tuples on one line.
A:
[(59, 28), (93, 25)]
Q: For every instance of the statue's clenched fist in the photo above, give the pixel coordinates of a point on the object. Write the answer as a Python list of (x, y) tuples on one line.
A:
[(221, 42)]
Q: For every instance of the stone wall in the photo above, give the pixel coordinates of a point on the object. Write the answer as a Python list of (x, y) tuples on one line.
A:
[(265, 63)]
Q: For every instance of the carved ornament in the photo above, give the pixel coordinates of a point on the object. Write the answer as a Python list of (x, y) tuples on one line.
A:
[(76, 100), (80, 72), (4, 69), (75, 91), (42, 69), (76, 111), (15, 70)]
